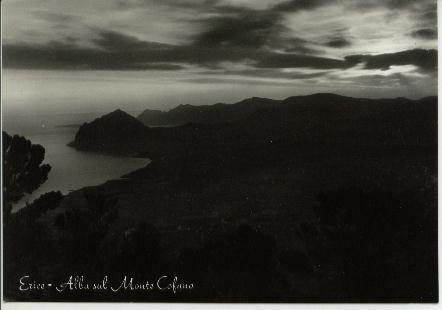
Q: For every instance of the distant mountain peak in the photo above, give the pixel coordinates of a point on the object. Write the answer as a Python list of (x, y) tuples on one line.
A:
[(118, 113), (318, 95), (110, 131), (118, 117), (221, 112), (183, 107), (254, 99)]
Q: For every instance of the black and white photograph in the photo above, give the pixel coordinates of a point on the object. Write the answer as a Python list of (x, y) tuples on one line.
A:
[(219, 151)]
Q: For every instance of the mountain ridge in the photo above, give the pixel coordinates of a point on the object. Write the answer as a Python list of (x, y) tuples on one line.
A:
[(316, 122), (221, 112)]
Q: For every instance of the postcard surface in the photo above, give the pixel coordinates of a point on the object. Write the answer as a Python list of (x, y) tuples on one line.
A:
[(219, 151)]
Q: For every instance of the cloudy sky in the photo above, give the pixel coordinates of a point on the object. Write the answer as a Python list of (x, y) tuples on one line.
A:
[(159, 53)]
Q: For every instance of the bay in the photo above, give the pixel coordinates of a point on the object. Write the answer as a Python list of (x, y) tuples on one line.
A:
[(70, 169)]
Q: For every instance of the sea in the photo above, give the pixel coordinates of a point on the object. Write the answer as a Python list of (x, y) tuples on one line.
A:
[(70, 169)]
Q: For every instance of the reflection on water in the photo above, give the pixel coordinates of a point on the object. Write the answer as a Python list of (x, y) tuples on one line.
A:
[(71, 169)]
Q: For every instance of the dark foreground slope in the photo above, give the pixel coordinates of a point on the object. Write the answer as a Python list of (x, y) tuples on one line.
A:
[(311, 199)]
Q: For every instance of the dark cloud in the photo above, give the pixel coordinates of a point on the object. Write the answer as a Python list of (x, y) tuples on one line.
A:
[(57, 19), (269, 73), (424, 59), (338, 42), (298, 5), (291, 6), (389, 4), (298, 48), (377, 80), (175, 4), (425, 33), (115, 41), (241, 27), (240, 38), (246, 29), (395, 4), (282, 60), (61, 56), (208, 80), (53, 57), (161, 67), (288, 6), (430, 16), (116, 51)]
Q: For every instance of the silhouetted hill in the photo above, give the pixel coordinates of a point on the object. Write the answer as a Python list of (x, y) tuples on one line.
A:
[(320, 121), (114, 132), (216, 113), (316, 105)]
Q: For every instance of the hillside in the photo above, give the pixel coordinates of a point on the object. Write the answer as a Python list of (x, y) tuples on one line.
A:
[(116, 132), (321, 103), (216, 113), (318, 121)]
